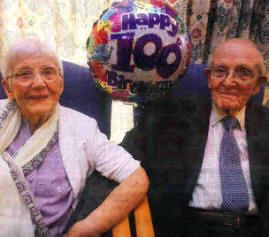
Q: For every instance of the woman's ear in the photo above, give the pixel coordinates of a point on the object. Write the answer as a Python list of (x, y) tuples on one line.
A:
[(8, 89), (62, 84)]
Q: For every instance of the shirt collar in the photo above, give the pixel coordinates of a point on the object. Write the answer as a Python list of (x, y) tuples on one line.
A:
[(217, 115)]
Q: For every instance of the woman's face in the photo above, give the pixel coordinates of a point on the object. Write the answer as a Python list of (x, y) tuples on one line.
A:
[(35, 84)]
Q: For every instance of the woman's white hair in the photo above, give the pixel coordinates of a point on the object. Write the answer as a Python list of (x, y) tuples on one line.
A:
[(24, 47)]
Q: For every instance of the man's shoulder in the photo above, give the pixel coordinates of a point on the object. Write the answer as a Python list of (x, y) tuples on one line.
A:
[(257, 120), (169, 119), (169, 114), (178, 105), (257, 111)]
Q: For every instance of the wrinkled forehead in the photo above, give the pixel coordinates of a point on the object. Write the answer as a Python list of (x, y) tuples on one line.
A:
[(238, 51), (27, 59)]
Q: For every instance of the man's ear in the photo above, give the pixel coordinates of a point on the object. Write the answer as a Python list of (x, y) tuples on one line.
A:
[(8, 89), (261, 81)]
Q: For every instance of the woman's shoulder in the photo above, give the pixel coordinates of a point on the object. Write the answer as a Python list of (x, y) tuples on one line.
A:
[(3, 103), (76, 125), (75, 117)]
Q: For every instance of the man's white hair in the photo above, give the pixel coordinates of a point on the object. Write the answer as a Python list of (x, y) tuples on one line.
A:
[(27, 47), (261, 67)]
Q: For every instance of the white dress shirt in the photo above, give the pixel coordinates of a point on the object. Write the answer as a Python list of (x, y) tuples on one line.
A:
[(207, 193)]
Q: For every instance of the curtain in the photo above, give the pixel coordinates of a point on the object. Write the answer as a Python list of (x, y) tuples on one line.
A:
[(211, 22), (64, 24)]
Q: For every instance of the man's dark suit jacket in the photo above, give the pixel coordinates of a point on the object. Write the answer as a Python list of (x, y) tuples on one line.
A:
[(170, 141)]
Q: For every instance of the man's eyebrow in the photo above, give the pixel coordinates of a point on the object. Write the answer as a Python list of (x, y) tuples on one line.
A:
[(218, 65), (245, 65)]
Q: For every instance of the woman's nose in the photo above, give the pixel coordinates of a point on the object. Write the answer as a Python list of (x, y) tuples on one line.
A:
[(38, 79)]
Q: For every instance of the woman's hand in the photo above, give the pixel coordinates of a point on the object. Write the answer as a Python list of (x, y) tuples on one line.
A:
[(80, 229), (125, 197)]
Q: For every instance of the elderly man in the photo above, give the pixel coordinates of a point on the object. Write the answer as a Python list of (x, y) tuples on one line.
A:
[(208, 159), (47, 151)]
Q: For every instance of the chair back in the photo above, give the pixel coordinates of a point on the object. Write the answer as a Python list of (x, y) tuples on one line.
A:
[(143, 223)]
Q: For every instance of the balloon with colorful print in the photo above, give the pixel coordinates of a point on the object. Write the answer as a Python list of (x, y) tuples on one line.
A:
[(138, 49)]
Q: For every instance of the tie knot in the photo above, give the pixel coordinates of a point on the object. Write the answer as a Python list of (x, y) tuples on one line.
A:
[(229, 122)]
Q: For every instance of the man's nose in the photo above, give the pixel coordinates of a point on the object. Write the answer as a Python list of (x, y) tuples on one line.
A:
[(230, 80)]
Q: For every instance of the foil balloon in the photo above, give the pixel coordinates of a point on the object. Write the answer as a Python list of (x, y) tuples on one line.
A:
[(138, 49)]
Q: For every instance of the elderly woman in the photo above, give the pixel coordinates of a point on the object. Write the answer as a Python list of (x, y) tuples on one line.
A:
[(47, 151)]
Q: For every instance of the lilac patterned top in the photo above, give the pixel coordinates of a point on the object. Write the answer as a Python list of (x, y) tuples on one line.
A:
[(49, 184)]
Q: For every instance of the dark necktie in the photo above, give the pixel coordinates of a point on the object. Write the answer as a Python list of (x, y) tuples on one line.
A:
[(233, 183)]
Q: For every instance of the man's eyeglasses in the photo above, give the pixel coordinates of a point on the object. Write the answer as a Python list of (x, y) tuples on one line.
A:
[(27, 74), (241, 73)]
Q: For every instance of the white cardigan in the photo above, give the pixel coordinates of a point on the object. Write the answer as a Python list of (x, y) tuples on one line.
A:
[(84, 148)]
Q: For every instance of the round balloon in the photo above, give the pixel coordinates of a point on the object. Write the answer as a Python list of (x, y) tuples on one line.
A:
[(138, 49)]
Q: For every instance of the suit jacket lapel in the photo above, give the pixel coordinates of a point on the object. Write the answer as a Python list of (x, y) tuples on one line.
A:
[(195, 149), (255, 128)]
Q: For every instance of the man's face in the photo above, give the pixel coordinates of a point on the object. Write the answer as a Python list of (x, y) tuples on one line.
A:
[(36, 85), (234, 75)]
